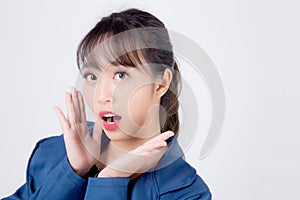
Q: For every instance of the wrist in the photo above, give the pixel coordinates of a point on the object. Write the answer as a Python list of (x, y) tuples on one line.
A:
[(80, 171)]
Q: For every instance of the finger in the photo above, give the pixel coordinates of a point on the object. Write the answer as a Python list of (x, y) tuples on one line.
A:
[(127, 163), (156, 145), (163, 136), (97, 129), (70, 109), (75, 103), (157, 153), (62, 119), (150, 147), (82, 115), (97, 133)]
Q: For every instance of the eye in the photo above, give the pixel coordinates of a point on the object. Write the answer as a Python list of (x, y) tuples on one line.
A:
[(90, 77), (120, 75)]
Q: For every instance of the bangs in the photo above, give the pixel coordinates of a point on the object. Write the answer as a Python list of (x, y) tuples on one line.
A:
[(117, 40), (110, 49)]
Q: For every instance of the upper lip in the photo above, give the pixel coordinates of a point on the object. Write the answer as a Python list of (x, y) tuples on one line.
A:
[(106, 112)]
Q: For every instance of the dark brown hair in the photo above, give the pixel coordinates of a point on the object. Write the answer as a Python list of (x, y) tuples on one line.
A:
[(158, 51)]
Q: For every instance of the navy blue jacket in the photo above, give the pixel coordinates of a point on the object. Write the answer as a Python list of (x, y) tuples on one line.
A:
[(50, 176)]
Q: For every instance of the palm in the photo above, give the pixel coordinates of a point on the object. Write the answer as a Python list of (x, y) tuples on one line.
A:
[(83, 149)]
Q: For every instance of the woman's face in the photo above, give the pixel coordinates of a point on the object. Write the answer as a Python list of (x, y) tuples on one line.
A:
[(124, 101)]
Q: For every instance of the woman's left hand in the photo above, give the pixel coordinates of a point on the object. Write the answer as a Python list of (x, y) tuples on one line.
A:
[(139, 160)]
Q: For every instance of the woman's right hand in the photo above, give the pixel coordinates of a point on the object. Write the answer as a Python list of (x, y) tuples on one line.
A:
[(83, 149)]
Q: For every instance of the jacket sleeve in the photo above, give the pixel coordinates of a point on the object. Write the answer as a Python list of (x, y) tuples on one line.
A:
[(49, 174), (198, 190), (107, 188)]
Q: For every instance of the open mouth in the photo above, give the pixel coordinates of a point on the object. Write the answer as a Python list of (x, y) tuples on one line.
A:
[(111, 118)]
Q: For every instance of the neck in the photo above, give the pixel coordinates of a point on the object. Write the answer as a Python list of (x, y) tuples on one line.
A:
[(116, 149), (131, 144)]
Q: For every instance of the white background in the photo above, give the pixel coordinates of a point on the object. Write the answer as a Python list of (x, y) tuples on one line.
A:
[(254, 45)]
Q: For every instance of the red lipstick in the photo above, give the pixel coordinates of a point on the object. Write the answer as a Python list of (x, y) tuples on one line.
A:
[(110, 120)]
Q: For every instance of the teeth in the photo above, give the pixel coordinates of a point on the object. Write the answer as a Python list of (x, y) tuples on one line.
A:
[(108, 115), (109, 118)]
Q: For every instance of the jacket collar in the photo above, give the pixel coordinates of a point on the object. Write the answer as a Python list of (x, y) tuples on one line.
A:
[(172, 171)]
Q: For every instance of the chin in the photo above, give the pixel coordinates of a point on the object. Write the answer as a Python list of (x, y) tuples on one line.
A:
[(116, 135)]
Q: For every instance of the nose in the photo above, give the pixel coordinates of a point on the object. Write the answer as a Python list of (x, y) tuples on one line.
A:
[(103, 91)]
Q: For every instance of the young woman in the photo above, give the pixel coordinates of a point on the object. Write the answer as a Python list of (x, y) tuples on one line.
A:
[(131, 84)]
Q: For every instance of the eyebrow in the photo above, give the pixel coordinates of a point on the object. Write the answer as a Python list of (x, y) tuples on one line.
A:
[(91, 65), (116, 64), (94, 66)]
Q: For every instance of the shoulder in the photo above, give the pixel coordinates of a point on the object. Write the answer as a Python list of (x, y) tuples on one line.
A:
[(52, 148), (180, 178), (177, 178), (46, 153), (47, 149), (48, 144)]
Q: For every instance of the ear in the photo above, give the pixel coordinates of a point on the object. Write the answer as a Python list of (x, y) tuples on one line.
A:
[(163, 85)]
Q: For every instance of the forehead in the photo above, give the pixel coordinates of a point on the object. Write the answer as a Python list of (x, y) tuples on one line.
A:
[(108, 49), (101, 49), (101, 59)]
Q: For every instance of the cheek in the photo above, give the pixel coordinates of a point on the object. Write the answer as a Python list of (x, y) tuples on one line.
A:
[(139, 105)]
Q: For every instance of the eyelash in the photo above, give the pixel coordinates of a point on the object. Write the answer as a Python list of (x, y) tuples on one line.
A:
[(121, 72), (87, 74)]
